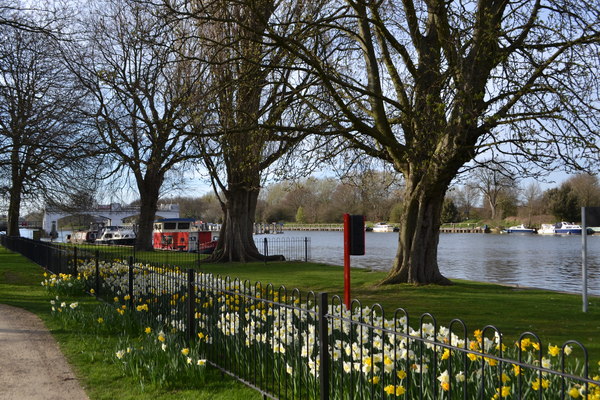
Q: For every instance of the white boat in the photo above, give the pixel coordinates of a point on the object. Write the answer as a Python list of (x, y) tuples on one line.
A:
[(568, 228), (546, 229), (383, 227), (519, 229), (122, 235)]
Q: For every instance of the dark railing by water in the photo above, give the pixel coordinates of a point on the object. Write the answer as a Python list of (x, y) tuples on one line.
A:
[(290, 345)]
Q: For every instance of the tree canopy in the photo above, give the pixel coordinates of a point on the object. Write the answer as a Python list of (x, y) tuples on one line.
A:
[(429, 85)]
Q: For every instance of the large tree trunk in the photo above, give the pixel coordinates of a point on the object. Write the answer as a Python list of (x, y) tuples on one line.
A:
[(149, 191), (14, 207), (416, 259), (236, 242)]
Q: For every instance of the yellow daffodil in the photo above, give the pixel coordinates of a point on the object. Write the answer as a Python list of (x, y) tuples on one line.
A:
[(446, 354), (148, 330), (553, 350), (390, 389), (574, 393)]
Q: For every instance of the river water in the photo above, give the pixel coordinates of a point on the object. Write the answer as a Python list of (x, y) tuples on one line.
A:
[(547, 262)]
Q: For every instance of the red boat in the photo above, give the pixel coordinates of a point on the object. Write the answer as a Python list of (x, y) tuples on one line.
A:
[(185, 234)]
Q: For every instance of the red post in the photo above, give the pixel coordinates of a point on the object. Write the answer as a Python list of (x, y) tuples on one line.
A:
[(347, 260)]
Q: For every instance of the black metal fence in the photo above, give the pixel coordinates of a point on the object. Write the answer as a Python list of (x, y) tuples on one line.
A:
[(292, 248), (289, 345), (58, 255)]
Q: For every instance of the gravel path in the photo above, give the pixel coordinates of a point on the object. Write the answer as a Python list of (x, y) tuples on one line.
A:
[(31, 364)]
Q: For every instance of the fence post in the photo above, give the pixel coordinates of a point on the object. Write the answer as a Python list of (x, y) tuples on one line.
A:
[(191, 302), (131, 282), (97, 288), (265, 249), (53, 259), (305, 249), (75, 261), (323, 347)]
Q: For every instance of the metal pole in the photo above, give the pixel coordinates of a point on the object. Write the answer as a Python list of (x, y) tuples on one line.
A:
[(584, 259)]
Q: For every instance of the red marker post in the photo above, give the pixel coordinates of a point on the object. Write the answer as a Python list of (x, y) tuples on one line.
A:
[(354, 244)]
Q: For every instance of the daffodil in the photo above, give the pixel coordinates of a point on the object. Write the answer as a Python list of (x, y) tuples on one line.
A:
[(574, 393), (390, 389), (446, 354), (185, 351)]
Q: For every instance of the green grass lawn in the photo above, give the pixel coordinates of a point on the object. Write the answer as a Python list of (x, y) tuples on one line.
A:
[(555, 317)]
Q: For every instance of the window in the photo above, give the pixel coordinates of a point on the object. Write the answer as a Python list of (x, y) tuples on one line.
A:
[(184, 225), (170, 225)]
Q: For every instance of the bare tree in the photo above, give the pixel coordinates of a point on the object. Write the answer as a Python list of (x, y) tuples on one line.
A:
[(427, 86), (466, 198), (493, 184), (41, 140), (532, 194), (146, 92), (255, 112)]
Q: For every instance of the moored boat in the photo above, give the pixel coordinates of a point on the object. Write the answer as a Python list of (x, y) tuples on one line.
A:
[(185, 234), (520, 229), (568, 228), (116, 235), (383, 227), (546, 229)]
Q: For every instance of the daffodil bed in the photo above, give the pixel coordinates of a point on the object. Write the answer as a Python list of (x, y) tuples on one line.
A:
[(269, 338)]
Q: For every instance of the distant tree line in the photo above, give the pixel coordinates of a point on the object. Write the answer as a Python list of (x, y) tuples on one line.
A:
[(375, 194)]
